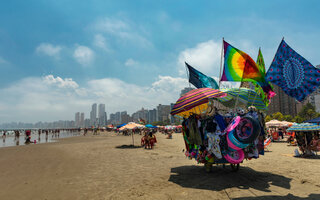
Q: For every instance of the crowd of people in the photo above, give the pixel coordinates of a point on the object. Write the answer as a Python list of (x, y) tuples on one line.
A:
[(37, 134)]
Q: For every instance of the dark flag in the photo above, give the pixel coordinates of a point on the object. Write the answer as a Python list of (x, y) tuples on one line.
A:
[(199, 80)]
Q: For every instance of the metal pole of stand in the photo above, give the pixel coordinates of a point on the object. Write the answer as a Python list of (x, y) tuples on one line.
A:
[(221, 58)]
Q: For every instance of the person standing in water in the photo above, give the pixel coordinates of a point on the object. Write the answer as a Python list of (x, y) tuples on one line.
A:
[(39, 133), (4, 136), (47, 133), (17, 135), (28, 136)]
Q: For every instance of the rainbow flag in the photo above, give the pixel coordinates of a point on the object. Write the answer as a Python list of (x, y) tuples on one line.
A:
[(239, 66)]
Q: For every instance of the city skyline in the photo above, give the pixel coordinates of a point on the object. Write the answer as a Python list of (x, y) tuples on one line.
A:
[(149, 115)]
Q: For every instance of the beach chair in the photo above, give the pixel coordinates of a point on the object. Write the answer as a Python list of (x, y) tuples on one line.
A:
[(267, 142)]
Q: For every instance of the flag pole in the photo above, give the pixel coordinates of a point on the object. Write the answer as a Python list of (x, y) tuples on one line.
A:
[(187, 74), (221, 62), (221, 57)]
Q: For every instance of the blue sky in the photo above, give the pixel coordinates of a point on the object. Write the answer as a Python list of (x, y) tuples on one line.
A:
[(58, 57)]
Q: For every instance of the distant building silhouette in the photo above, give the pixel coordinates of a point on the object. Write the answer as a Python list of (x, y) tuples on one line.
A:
[(283, 103), (77, 119), (93, 115), (185, 90)]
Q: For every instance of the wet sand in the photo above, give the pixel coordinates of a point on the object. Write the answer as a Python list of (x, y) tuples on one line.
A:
[(103, 167)]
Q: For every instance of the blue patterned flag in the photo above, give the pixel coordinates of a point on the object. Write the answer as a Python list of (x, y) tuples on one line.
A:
[(199, 80), (294, 74)]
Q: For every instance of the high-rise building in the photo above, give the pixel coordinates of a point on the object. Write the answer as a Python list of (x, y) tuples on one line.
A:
[(172, 118), (112, 119), (125, 118), (314, 98), (87, 123), (93, 115), (117, 118), (82, 120), (140, 115), (152, 115), (77, 119), (163, 112), (102, 115), (283, 103), (185, 90)]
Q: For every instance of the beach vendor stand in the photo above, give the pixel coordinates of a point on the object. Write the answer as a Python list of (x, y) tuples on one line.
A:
[(305, 136), (212, 137)]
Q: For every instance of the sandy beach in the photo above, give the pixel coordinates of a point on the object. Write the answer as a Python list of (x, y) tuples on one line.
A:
[(102, 167)]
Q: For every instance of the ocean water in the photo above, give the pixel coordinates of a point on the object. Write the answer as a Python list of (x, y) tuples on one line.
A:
[(10, 140)]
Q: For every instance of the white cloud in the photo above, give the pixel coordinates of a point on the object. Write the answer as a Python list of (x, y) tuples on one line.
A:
[(52, 98), (61, 83), (130, 62), (40, 98), (205, 57), (49, 50), (131, 97), (111, 25), (83, 55), (123, 31), (100, 42)]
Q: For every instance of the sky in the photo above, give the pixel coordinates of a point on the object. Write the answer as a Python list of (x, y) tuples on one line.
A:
[(58, 57)]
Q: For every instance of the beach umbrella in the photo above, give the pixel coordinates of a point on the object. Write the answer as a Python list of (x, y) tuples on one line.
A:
[(121, 125), (274, 123), (246, 97), (195, 102), (315, 120), (286, 124), (149, 126), (133, 125), (168, 127), (304, 127)]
